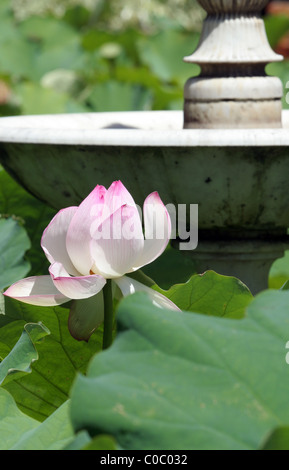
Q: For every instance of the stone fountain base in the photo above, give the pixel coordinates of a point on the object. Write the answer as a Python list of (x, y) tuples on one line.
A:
[(238, 178)]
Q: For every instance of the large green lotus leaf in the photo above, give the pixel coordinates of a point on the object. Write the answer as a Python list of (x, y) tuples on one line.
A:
[(60, 357), (212, 294), (14, 242), (20, 432), (14, 423), (53, 434), (176, 380), (18, 361)]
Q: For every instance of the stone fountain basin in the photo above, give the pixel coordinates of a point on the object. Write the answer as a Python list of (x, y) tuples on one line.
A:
[(239, 178)]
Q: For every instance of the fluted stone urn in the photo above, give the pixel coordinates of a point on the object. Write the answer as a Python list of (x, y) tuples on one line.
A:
[(233, 89), (227, 151)]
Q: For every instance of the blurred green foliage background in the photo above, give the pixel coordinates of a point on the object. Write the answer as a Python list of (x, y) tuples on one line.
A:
[(62, 56)]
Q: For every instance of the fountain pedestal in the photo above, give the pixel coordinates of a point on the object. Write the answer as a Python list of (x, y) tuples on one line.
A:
[(233, 90)]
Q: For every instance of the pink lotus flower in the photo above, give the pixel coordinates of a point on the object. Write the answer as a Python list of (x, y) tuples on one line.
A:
[(100, 239)]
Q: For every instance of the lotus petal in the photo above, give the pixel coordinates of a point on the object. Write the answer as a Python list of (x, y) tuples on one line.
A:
[(37, 290), (53, 241), (79, 231), (78, 287), (117, 245), (130, 286), (157, 224)]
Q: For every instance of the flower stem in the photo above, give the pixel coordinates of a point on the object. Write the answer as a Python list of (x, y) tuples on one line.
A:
[(108, 315)]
